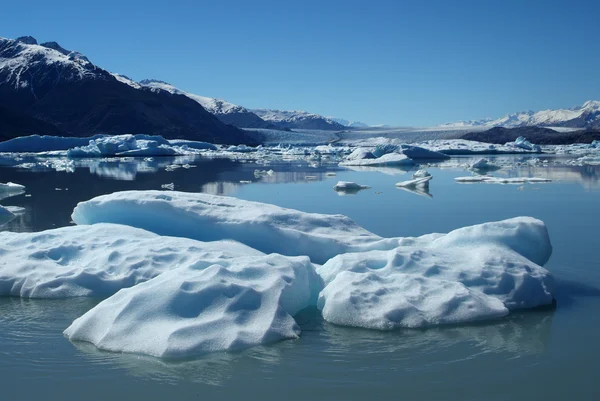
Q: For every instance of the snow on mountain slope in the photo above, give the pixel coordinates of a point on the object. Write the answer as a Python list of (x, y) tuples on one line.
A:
[(228, 113), (584, 116), (298, 119), (349, 123), (23, 57)]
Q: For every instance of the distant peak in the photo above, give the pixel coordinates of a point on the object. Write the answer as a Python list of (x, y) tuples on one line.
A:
[(28, 40), (56, 46), (151, 81)]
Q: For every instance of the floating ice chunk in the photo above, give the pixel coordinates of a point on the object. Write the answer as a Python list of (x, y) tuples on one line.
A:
[(523, 143), (330, 174), (484, 165), (98, 260), (422, 182), (11, 187), (499, 180), (194, 310), (205, 217), (245, 182), (421, 174), (263, 173), (417, 152), (124, 145), (470, 274), (389, 159), (360, 154), (170, 186), (5, 216), (348, 188)]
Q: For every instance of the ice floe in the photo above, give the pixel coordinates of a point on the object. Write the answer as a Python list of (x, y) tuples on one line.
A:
[(348, 187), (470, 274), (176, 297), (197, 309), (204, 217), (501, 180), (389, 159), (484, 165), (98, 260)]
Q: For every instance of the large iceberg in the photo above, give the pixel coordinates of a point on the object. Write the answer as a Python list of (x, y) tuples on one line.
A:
[(175, 297), (124, 145), (98, 260), (205, 217), (197, 309), (470, 274), (388, 159)]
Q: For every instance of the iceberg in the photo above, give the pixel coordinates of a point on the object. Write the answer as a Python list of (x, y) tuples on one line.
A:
[(196, 309), (267, 228), (98, 260), (124, 145), (483, 165), (500, 180), (389, 159), (348, 187), (11, 189), (420, 153), (523, 143), (470, 274)]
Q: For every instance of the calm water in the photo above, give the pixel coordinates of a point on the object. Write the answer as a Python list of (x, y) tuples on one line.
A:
[(550, 354)]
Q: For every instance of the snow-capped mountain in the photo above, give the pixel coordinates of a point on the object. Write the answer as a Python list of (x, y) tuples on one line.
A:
[(349, 123), (45, 85), (228, 113), (584, 116), (297, 119)]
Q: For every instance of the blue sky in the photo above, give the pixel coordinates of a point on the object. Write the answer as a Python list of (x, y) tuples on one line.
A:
[(393, 62)]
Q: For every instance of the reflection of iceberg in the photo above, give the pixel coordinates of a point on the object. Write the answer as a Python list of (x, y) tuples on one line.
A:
[(417, 190), (518, 333), (11, 189)]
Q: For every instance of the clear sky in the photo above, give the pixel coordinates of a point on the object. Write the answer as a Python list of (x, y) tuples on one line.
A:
[(382, 62)]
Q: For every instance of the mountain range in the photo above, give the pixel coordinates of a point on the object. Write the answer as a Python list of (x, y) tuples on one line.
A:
[(47, 89), (586, 116)]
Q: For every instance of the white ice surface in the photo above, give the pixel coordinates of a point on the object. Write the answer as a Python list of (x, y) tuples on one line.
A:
[(501, 180), (97, 260), (205, 217), (196, 309), (349, 186), (474, 273), (389, 159)]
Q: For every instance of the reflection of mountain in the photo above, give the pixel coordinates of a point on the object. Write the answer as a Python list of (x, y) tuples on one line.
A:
[(587, 176)]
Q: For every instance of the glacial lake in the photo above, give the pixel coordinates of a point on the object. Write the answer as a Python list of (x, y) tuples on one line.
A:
[(548, 354)]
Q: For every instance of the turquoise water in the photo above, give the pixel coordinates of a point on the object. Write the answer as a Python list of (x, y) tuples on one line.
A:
[(550, 354)]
